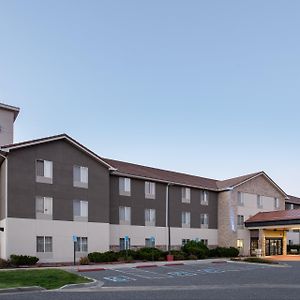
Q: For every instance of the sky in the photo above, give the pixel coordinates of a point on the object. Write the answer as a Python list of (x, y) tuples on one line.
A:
[(209, 88)]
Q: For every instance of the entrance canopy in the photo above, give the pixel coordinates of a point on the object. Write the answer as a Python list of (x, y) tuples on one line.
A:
[(289, 219)]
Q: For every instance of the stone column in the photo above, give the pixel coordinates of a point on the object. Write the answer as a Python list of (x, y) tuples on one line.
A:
[(262, 242), (284, 245)]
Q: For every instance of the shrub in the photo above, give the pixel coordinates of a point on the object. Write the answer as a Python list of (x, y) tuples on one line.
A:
[(84, 261), (259, 260), (192, 257), (224, 252), (23, 260), (195, 248), (4, 263), (178, 255), (125, 255), (149, 254), (108, 256)]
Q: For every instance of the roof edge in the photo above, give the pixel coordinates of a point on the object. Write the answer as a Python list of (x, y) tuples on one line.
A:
[(14, 109)]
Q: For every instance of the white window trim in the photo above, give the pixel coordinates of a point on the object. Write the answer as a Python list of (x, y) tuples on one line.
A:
[(185, 195), (124, 186), (127, 215), (205, 218), (84, 177), (47, 208), (149, 190), (186, 219), (44, 244), (84, 210)]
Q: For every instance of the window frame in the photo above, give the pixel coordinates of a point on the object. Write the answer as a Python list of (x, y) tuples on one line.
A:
[(81, 245), (184, 219), (44, 244), (42, 178), (152, 217), (81, 183), (204, 198), (241, 221), (81, 216), (127, 215), (124, 186), (204, 217), (259, 202), (185, 195), (150, 189), (44, 214)]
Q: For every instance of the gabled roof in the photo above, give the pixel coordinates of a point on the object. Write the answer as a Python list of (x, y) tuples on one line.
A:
[(279, 215), (13, 109), (293, 199), (126, 168), (155, 174), (56, 138)]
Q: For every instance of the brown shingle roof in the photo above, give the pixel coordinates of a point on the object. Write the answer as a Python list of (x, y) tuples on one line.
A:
[(293, 199), (279, 215), (163, 175), (235, 181)]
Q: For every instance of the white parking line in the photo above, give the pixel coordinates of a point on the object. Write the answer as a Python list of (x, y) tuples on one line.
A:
[(143, 273)]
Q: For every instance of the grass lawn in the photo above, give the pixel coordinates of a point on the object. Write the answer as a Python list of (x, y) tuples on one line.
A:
[(48, 278)]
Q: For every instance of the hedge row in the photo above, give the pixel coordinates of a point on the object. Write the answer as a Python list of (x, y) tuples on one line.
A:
[(18, 260), (192, 250)]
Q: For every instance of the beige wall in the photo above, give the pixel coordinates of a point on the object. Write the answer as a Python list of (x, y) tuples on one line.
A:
[(138, 234), (22, 237)]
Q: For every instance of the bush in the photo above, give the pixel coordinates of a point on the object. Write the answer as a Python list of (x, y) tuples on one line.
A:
[(178, 255), (23, 260), (84, 261), (259, 260), (149, 254), (125, 255), (198, 249), (4, 263), (192, 257), (108, 256), (224, 252)]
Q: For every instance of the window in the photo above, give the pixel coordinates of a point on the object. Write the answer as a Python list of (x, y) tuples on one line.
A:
[(186, 195), (205, 242), (291, 206), (43, 207), (125, 215), (150, 190), (124, 186), (184, 241), (80, 210), (149, 217), (259, 202), (44, 171), (124, 244), (240, 199), (240, 244), (81, 245), (240, 221), (276, 203), (80, 177), (150, 242), (186, 219), (204, 197), (44, 244), (204, 220)]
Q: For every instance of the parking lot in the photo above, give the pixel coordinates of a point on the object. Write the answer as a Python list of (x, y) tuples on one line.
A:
[(179, 275)]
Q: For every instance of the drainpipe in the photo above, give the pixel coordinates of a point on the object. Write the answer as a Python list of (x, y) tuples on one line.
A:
[(5, 159), (168, 216)]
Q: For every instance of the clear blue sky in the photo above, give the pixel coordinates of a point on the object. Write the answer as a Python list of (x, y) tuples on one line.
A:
[(205, 87)]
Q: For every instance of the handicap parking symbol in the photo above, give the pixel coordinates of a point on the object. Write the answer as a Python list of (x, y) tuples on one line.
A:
[(212, 270), (118, 278), (181, 274)]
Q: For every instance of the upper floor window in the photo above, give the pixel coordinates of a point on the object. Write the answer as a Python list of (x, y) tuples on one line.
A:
[(149, 217), (259, 202), (44, 171), (276, 203), (240, 199), (125, 215), (80, 176), (186, 195), (240, 244), (81, 245), (204, 220), (291, 206), (204, 197), (186, 219), (43, 207), (80, 210), (150, 190), (240, 221), (124, 186), (44, 244)]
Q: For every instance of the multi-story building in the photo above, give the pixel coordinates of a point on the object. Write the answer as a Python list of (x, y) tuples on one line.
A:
[(54, 188)]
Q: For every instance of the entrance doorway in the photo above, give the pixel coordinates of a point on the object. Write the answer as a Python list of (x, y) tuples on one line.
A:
[(273, 246)]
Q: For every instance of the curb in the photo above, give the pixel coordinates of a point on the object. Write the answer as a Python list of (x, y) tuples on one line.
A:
[(22, 289), (146, 266), (91, 270), (94, 283)]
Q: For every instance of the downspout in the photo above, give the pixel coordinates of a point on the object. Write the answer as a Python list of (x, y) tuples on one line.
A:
[(168, 225)]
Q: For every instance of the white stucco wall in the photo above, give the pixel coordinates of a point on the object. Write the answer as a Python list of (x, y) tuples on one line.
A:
[(22, 233)]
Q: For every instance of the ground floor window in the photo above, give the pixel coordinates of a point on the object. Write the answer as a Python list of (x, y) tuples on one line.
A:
[(253, 246), (124, 244), (82, 244), (273, 246), (205, 242), (240, 244), (150, 243), (184, 241), (44, 244)]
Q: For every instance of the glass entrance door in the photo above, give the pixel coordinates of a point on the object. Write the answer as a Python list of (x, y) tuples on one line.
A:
[(273, 246)]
